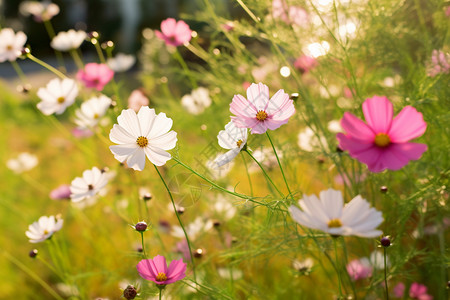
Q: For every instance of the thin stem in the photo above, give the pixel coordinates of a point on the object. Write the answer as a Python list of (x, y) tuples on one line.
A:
[(143, 246), (185, 68), (99, 51), (160, 294), (279, 164), (179, 220), (76, 58), (248, 11), (248, 174), (337, 267), (265, 173), (385, 274), (51, 34), (197, 52), (19, 71), (46, 65)]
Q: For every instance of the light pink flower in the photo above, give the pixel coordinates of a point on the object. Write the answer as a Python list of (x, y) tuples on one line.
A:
[(419, 291), (290, 14), (359, 269), (399, 290), (81, 133), (156, 270), (174, 33), (305, 63), (137, 99), (439, 64), (62, 192), (383, 143), (258, 112), (95, 75)]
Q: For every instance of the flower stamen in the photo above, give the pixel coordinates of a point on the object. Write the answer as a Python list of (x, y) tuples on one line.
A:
[(239, 143), (261, 115), (142, 141), (161, 277), (334, 223), (61, 100), (382, 140)]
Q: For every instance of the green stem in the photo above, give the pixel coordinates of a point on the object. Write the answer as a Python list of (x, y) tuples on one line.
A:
[(248, 175), (99, 51), (19, 72), (385, 274), (143, 246), (185, 68), (179, 220), (248, 11), (51, 34), (160, 294), (76, 58), (279, 164), (337, 268), (46, 65), (265, 173)]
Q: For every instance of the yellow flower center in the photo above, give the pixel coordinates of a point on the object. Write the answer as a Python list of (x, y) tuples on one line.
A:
[(46, 231), (142, 141), (334, 223), (239, 143), (161, 277), (9, 48), (96, 116), (261, 115), (61, 100), (382, 140)]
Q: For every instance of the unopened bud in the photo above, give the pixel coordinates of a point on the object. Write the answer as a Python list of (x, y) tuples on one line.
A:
[(129, 292), (33, 253), (385, 241), (141, 226)]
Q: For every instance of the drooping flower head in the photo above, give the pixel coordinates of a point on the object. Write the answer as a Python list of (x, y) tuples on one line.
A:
[(330, 215), (258, 112), (44, 228), (383, 143), (143, 134), (11, 44), (88, 186), (57, 96), (68, 40), (90, 112), (156, 270), (174, 33), (95, 75), (233, 139), (41, 11)]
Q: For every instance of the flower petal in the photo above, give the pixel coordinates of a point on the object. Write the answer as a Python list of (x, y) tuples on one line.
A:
[(136, 161), (407, 125), (356, 128), (157, 156), (129, 121), (258, 95), (378, 112)]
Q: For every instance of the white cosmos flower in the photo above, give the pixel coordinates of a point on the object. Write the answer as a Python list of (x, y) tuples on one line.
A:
[(330, 215), (57, 96), (224, 208), (233, 139), (90, 112), (121, 62), (192, 229), (43, 229), (308, 141), (143, 134), (41, 11), (24, 162), (88, 186), (196, 102), (68, 40), (11, 44)]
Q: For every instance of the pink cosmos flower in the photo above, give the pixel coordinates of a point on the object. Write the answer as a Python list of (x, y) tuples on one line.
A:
[(137, 99), (174, 33), (399, 290), (439, 64), (62, 192), (305, 63), (258, 112), (95, 75), (359, 269), (419, 291), (156, 270), (383, 143)]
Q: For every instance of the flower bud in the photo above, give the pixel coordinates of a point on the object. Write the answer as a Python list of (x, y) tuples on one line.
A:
[(141, 226), (129, 292), (383, 189), (33, 253), (385, 241)]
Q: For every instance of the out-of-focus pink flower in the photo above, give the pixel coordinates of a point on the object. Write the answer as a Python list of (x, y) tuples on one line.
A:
[(305, 63), (137, 99), (439, 64), (62, 192), (399, 290), (174, 33), (258, 112), (183, 248), (359, 269), (228, 26), (81, 133), (289, 14), (95, 75), (383, 143), (348, 93), (419, 291), (156, 270), (246, 85), (447, 11)]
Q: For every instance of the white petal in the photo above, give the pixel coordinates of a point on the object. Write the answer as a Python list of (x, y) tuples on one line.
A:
[(129, 121), (161, 125), (119, 135), (166, 141), (137, 160), (157, 156), (146, 118), (122, 152)]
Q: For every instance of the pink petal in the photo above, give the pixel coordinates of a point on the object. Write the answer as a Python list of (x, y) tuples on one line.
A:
[(258, 95), (397, 156), (168, 26), (378, 112), (356, 128), (176, 270), (274, 124), (241, 107), (353, 145), (147, 269), (407, 125), (258, 128)]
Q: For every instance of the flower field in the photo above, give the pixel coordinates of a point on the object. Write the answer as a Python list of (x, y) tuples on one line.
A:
[(281, 149)]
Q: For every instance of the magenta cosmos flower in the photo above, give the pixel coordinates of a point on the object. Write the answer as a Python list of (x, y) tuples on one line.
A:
[(156, 270), (95, 75), (174, 33), (383, 143), (258, 112)]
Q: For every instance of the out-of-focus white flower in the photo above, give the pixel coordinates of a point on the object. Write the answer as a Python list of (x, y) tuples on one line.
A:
[(11, 44), (121, 62), (192, 229), (90, 112), (290, 14), (233, 139), (140, 135), (44, 228), (317, 49), (24, 162), (376, 259), (266, 157), (137, 99), (308, 141), (304, 267), (197, 101), (334, 126), (41, 11), (68, 40), (224, 208), (67, 290), (88, 186), (57, 96), (230, 273)]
